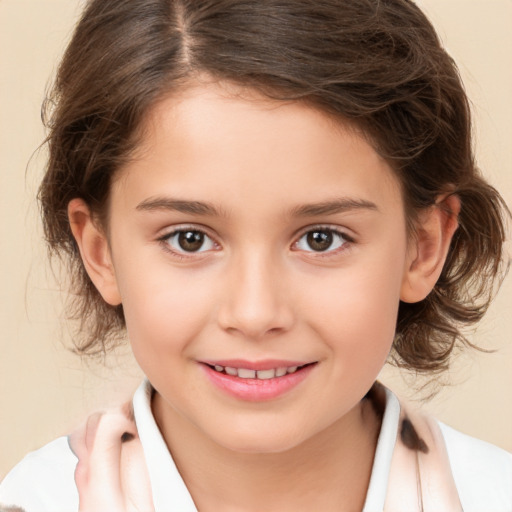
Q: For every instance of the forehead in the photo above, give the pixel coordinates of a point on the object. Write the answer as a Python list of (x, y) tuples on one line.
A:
[(218, 141)]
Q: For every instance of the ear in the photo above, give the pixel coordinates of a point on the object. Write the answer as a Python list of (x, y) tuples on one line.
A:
[(94, 250), (429, 247)]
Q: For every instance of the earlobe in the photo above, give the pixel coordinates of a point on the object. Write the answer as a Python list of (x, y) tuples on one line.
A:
[(429, 248), (94, 250)]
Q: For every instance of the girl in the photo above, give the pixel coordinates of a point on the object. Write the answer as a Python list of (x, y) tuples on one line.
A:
[(270, 197)]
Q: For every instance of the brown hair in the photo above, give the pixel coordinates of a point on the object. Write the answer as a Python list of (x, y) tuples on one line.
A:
[(376, 63)]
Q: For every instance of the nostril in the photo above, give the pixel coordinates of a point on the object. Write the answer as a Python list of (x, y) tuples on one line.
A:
[(254, 309)]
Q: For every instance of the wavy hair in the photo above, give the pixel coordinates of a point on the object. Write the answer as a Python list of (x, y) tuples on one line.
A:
[(377, 64)]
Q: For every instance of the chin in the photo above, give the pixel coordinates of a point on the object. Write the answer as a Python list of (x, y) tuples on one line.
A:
[(258, 440)]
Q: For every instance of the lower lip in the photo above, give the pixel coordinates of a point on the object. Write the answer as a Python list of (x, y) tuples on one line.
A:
[(257, 390)]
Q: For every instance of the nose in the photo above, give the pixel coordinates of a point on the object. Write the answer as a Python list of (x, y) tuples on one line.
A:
[(256, 300)]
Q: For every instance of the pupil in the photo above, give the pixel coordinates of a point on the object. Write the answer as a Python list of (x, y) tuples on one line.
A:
[(319, 240), (190, 241)]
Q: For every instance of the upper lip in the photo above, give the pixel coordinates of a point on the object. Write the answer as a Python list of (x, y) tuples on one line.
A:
[(266, 364)]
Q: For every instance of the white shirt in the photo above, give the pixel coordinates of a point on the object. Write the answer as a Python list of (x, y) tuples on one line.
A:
[(44, 480)]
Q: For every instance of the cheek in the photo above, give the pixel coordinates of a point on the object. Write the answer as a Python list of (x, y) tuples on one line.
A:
[(164, 310), (356, 311)]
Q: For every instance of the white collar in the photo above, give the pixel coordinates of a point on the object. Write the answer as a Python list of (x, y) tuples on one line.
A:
[(171, 493), (168, 488)]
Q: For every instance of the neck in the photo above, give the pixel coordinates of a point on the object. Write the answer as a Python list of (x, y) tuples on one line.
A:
[(329, 471)]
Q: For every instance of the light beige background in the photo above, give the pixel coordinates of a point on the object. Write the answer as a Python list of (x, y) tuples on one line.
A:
[(44, 389)]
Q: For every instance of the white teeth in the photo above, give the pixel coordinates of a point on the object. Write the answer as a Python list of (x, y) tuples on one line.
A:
[(246, 374), (281, 371), (266, 374)]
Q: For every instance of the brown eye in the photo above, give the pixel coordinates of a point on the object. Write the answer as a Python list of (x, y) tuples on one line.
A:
[(189, 240), (321, 240)]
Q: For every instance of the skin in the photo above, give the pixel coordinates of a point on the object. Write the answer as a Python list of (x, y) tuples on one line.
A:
[(256, 290), (111, 474)]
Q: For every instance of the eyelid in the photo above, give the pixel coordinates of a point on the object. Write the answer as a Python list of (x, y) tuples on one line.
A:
[(349, 239), (174, 230)]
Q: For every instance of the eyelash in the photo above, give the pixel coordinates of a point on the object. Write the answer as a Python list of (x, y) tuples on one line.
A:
[(165, 241), (346, 241)]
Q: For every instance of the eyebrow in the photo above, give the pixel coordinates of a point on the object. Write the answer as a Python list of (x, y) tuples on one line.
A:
[(306, 210), (179, 205), (332, 207)]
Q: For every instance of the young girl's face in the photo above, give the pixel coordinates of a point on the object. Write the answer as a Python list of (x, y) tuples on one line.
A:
[(256, 236)]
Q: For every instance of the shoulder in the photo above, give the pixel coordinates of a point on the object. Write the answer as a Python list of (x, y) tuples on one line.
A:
[(43, 480), (482, 472)]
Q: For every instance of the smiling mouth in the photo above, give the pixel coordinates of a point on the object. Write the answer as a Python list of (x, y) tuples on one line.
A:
[(245, 373)]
